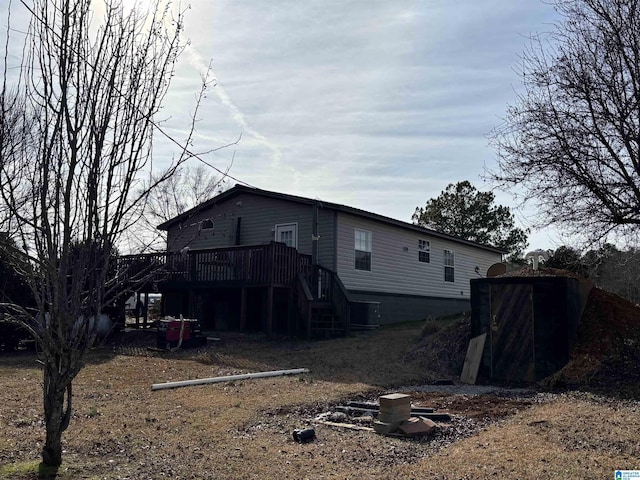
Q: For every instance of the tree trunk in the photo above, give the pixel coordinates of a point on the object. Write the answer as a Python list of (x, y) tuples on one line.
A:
[(56, 415)]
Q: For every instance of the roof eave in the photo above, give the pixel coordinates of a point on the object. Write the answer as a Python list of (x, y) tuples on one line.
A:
[(237, 189)]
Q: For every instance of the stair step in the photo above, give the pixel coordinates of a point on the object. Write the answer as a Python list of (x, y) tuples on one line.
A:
[(319, 304)]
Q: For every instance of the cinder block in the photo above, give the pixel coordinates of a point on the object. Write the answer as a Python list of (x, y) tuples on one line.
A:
[(394, 400), (417, 426), (389, 418), (397, 410), (384, 427)]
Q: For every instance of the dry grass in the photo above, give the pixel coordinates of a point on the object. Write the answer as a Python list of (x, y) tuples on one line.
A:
[(569, 437), (242, 430)]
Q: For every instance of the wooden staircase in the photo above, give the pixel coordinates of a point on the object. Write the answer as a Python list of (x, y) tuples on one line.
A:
[(324, 322), (323, 303)]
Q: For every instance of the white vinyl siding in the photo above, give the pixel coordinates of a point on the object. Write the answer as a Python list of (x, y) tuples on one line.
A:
[(395, 268), (395, 265)]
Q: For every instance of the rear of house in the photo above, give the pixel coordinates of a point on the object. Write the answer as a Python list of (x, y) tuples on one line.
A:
[(404, 271)]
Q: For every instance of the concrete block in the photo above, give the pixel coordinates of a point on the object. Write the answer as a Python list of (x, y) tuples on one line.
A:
[(391, 418), (397, 410), (384, 427), (417, 426), (394, 400)]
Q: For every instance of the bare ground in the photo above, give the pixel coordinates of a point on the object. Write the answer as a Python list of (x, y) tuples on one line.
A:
[(243, 429)]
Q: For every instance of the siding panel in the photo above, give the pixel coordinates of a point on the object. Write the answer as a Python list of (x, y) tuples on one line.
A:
[(326, 243), (259, 216), (394, 261)]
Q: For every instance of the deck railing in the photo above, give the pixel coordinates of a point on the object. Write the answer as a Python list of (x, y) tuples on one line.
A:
[(270, 264), (323, 285)]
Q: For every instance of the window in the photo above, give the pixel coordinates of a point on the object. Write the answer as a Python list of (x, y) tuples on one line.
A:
[(207, 224), (363, 250), (449, 266), (287, 233), (424, 249)]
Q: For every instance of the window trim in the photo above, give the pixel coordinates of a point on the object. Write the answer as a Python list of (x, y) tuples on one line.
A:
[(293, 226), (368, 247), (449, 265), (422, 243)]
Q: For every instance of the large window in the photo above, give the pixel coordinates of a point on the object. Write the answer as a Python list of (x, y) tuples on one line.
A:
[(362, 249), (424, 251), (449, 266)]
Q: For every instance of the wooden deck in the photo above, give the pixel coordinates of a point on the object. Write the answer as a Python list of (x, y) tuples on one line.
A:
[(322, 301), (273, 264)]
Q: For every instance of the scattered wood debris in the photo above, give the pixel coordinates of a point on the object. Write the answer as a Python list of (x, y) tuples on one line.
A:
[(349, 426), (392, 415)]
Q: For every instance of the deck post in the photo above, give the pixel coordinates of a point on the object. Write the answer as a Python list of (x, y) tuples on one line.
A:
[(243, 309), (270, 310), (138, 309), (146, 309), (308, 320), (290, 320)]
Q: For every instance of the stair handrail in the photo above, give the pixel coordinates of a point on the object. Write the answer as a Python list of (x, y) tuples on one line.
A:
[(338, 296)]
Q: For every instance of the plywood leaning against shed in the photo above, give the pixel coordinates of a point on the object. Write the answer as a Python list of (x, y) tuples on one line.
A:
[(473, 359)]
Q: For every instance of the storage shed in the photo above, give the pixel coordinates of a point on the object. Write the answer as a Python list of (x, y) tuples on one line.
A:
[(531, 324)]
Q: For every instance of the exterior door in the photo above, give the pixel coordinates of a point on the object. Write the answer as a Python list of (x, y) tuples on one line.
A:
[(287, 233), (512, 333)]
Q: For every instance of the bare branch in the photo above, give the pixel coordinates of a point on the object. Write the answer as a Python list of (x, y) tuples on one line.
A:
[(75, 149), (572, 139)]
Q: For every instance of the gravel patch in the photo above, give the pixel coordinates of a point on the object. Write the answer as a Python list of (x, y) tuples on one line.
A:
[(470, 390)]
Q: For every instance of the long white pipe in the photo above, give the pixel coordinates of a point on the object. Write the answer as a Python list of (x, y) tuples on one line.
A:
[(228, 378)]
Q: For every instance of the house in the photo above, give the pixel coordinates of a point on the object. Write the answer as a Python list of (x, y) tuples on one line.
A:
[(383, 267)]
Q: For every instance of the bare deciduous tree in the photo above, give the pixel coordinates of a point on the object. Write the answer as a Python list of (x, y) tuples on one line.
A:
[(76, 139), (572, 139), (188, 187)]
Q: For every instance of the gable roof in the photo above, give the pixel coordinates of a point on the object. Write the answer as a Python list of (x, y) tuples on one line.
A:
[(239, 189)]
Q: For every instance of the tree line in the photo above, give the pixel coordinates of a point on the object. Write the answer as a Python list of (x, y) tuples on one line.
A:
[(608, 267)]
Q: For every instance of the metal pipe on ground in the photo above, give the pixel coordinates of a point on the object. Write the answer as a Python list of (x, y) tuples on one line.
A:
[(228, 378)]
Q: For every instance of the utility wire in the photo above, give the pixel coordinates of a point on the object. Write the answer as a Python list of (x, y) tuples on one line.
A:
[(225, 174)]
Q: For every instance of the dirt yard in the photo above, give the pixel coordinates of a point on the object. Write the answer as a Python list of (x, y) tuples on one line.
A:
[(243, 430)]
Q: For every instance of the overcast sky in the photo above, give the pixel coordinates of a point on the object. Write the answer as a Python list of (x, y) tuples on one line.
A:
[(375, 104)]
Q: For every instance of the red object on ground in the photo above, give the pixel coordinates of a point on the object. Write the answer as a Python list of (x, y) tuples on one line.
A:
[(173, 331)]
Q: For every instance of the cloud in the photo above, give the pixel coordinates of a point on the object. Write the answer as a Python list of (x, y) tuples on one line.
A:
[(208, 75), (371, 103)]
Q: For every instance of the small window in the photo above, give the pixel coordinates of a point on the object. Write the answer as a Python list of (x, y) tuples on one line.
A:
[(424, 251), (362, 250), (449, 266), (207, 224), (287, 233)]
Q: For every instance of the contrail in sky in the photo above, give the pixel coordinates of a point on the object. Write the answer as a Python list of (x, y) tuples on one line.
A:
[(198, 62)]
